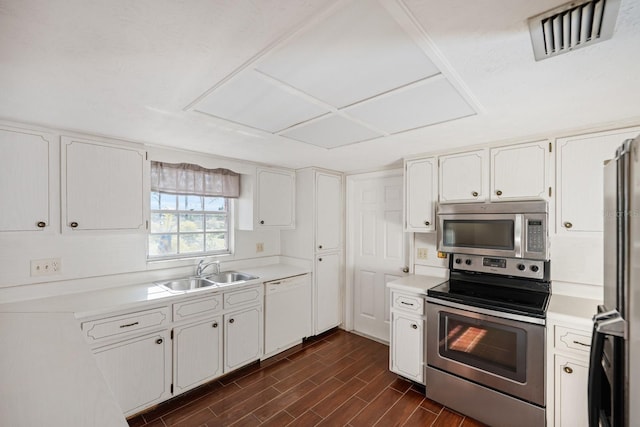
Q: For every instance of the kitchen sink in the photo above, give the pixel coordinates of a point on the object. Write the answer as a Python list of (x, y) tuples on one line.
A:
[(186, 284), (229, 277)]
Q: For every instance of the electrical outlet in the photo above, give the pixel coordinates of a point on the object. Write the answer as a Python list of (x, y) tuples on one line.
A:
[(259, 247), (423, 253), (46, 267)]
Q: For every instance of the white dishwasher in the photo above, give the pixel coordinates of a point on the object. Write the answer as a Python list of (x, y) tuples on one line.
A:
[(287, 313)]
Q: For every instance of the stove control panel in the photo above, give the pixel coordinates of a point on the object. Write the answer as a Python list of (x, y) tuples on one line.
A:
[(530, 269)]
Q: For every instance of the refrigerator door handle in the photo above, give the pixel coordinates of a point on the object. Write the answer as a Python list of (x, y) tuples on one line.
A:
[(596, 373), (610, 323)]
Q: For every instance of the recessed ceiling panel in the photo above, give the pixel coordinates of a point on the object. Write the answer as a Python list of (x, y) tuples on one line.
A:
[(250, 100), (330, 132), (419, 105), (354, 54)]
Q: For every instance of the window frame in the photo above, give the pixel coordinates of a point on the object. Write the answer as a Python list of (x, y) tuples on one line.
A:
[(229, 231)]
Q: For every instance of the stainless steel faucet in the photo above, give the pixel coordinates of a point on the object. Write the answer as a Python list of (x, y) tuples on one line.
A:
[(202, 266)]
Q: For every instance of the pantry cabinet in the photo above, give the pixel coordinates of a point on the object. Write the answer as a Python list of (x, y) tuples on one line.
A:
[(197, 355), (520, 172), (137, 370), (327, 292), (580, 161), (26, 166), (103, 186), (464, 177), (421, 194)]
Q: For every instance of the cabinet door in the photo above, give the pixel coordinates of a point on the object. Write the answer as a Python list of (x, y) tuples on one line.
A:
[(407, 346), (275, 198), (328, 235), (138, 371), (463, 177), (580, 165), (420, 195), (103, 186), (242, 337), (25, 162), (328, 301), (520, 172), (571, 378), (197, 353)]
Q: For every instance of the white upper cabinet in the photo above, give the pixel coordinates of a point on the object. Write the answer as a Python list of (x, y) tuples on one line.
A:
[(328, 235), (26, 162), (464, 177), (103, 186), (420, 178), (580, 161), (520, 172), (273, 198)]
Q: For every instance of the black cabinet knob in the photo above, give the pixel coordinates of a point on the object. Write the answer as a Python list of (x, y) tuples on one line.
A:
[(262, 222), (159, 341), (41, 224), (231, 320), (73, 224), (215, 325)]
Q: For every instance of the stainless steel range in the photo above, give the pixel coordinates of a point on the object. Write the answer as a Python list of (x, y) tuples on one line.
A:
[(486, 339)]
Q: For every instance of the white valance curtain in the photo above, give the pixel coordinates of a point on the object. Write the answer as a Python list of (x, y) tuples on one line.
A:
[(185, 178)]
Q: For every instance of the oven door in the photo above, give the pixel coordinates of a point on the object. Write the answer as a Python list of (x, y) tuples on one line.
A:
[(497, 235), (487, 348)]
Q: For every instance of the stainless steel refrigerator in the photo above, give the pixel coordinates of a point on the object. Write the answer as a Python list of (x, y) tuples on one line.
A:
[(614, 366)]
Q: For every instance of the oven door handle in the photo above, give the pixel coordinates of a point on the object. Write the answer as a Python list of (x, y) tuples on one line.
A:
[(609, 323), (487, 312)]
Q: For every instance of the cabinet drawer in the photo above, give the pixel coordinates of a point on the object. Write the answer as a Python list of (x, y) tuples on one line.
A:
[(119, 325), (195, 307), (574, 340), (243, 297), (409, 303)]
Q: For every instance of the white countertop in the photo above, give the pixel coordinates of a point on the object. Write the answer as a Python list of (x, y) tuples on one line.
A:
[(572, 309), (416, 283), (94, 303)]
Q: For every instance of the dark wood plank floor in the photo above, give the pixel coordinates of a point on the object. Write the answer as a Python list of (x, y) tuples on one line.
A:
[(336, 379)]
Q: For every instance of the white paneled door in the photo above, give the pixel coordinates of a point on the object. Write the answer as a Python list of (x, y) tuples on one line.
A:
[(377, 248)]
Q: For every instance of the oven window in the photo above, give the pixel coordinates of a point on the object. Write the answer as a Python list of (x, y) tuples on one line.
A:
[(492, 347), (482, 234)]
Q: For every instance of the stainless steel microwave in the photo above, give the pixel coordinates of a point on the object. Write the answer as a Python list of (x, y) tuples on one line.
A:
[(502, 229)]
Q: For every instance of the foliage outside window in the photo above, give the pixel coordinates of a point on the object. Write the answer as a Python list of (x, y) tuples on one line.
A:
[(190, 210)]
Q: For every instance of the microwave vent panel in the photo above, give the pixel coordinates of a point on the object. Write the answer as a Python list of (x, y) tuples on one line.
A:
[(572, 26)]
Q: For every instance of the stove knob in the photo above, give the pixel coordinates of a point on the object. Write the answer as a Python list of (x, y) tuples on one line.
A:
[(468, 262), (534, 268), (521, 267), (458, 261)]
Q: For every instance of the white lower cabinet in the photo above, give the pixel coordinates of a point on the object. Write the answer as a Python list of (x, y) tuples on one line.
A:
[(197, 354), (568, 347), (328, 295), (242, 337), (407, 341), (407, 346), (137, 370)]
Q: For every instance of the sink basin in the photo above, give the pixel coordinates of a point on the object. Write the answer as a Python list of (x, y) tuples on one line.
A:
[(228, 277), (186, 284)]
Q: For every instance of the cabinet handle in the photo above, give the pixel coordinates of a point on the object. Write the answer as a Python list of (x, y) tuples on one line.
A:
[(414, 326), (215, 325), (231, 320), (319, 246), (405, 270), (474, 193), (129, 324), (41, 224), (320, 259), (581, 343), (73, 224), (406, 303), (568, 370), (159, 341), (427, 223), (567, 224), (262, 222), (499, 193)]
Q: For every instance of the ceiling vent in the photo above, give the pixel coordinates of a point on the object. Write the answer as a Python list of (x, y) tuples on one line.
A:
[(571, 26)]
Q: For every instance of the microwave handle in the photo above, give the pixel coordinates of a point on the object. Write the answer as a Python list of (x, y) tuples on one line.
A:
[(517, 235)]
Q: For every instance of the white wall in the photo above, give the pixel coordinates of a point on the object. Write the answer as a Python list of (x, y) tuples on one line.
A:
[(115, 255)]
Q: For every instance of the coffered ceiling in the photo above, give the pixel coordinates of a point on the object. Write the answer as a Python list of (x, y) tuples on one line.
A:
[(349, 84)]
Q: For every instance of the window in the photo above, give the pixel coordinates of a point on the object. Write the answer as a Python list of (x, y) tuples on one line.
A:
[(190, 210)]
